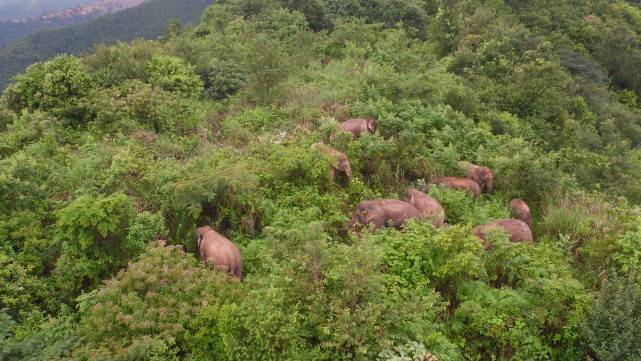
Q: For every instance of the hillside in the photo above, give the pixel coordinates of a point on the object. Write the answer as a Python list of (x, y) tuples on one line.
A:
[(147, 21), (26, 9), (13, 30), (429, 180)]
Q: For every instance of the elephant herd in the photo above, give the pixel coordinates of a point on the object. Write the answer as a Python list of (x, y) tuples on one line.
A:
[(222, 254)]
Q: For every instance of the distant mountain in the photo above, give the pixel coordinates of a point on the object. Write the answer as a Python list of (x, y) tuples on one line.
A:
[(25, 9), (148, 20), (12, 30)]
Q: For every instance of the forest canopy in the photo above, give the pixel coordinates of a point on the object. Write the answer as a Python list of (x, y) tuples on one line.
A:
[(110, 161)]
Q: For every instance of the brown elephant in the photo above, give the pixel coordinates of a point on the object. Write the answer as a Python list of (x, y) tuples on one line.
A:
[(381, 212), (218, 251), (427, 206), (481, 175), (338, 160), (521, 211), (359, 126), (466, 184), (517, 230)]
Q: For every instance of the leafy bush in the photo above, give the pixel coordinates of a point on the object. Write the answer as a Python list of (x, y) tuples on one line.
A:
[(172, 74), (222, 79), (92, 232), (612, 328), (54, 86), (144, 311)]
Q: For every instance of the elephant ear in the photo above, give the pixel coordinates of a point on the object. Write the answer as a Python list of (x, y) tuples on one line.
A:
[(409, 198), (345, 167), (369, 216), (199, 239)]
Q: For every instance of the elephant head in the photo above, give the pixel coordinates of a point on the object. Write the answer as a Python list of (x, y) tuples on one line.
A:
[(371, 125), (362, 216), (486, 178), (343, 166), (200, 234)]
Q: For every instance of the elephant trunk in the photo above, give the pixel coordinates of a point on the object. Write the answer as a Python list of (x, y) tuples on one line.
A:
[(490, 186)]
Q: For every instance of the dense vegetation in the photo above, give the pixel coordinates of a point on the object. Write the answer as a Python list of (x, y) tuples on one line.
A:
[(105, 154), (147, 21)]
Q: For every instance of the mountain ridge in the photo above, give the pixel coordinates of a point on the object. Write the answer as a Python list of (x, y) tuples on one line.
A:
[(147, 21), (15, 29)]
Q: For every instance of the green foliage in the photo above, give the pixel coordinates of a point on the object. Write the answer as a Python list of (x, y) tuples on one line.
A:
[(520, 87), (55, 86), (222, 79), (611, 327), (145, 228), (266, 65), (172, 74), (144, 311), (628, 254), (421, 257), (92, 232), (323, 300), (18, 288), (38, 339), (413, 351)]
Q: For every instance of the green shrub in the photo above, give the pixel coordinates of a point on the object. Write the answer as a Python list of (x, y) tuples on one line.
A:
[(92, 232), (54, 86), (172, 74), (222, 79), (612, 326), (144, 311), (421, 257)]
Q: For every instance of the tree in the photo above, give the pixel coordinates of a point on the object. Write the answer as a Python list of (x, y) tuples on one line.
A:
[(173, 74), (55, 86)]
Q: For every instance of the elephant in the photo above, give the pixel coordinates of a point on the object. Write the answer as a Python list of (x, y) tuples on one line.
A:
[(517, 230), (521, 211), (338, 160), (359, 126), (427, 206), (218, 251), (457, 183), (378, 212), (481, 175)]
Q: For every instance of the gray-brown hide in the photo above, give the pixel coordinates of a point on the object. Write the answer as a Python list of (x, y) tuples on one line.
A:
[(465, 184), (381, 212), (517, 230), (428, 207), (338, 160), (359, 126), (219, 252), (481, 175), (521, 211)]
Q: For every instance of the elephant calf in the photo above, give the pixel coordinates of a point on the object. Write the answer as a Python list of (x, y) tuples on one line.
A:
[(427, 206), (466, 184), (359, 126), (381, 212), (517, 230), (521, 211), (218, 251), (338, 160), (481, 175)]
